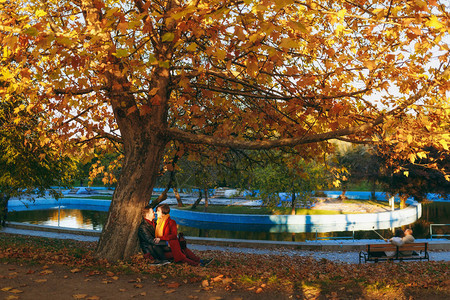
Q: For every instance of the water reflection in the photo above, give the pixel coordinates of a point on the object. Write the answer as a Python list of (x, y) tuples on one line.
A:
[(432, 213), (64, 217)]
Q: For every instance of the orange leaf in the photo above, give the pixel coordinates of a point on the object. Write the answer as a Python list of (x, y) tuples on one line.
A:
[(173, 285), (205, 283)]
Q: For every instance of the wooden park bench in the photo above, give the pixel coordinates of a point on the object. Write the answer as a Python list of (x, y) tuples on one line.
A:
[(412, 251)]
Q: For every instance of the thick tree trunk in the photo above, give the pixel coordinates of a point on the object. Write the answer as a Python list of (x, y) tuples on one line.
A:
[(119, 237)]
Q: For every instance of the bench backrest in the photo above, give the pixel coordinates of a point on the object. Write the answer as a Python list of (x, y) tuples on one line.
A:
[(391, 247)]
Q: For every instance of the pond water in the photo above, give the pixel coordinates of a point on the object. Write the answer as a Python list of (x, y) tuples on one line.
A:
[(80, 217)]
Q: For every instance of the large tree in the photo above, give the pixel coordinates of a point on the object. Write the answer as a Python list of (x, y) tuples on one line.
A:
[(231, 74)]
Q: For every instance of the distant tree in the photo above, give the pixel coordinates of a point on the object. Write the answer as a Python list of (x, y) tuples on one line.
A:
[(358, 163), (30, 164), (417, 178), (290, 176)]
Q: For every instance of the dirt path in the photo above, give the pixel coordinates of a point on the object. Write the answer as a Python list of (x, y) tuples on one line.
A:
[(57, 282)]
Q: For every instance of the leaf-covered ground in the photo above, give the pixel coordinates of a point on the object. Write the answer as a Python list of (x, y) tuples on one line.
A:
[(41, 268)]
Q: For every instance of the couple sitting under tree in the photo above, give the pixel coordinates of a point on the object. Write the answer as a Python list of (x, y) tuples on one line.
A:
[(159, 239)]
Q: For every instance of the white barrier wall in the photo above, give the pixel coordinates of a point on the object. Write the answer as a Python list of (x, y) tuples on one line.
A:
[(265, 223)]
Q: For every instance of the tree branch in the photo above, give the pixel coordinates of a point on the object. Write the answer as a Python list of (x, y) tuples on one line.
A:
[(187, 137)]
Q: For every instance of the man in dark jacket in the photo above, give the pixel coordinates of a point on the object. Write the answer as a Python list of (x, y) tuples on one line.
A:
[(146, 234), (166, 245)]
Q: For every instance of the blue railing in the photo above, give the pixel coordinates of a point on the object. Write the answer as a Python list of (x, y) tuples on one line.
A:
[(438, 234)]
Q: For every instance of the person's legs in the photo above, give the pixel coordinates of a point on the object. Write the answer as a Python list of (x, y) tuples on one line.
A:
[(189, 254), (157, 252)]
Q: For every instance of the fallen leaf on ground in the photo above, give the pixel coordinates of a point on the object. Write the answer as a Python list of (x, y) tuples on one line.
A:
[(173, 285), (138, 286), (79, 296), (93, 298), (15, 291), (5, 289), (169, 291), (205, 283), (40, 280), (46, 272), (12, 297), (76, 270), (259, 290)]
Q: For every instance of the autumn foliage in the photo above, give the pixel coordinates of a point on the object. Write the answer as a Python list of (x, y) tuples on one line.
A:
[(230, 74)]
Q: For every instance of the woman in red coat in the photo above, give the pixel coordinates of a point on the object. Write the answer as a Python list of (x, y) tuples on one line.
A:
[(166, 230)]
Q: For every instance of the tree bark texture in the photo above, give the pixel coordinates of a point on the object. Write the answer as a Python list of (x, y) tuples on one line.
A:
[(119, 237)]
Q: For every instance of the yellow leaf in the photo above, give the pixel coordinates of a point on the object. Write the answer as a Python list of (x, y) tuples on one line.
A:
[(121, 53), (341, 13), (369, 64), (168, 37), (409, 138), (406, 173), (40, 13), (192, 47), (422, 154), (221, 54), (79, 296)]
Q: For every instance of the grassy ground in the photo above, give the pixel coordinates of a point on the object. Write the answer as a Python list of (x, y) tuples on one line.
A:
[(40, 268)]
